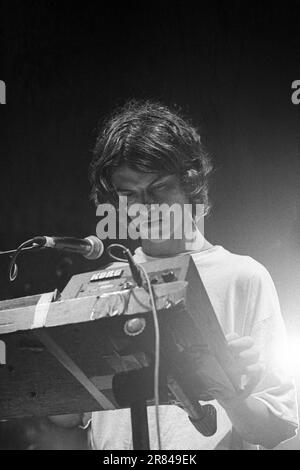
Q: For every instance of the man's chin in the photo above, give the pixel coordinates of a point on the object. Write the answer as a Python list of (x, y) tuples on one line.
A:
[(156, 240)]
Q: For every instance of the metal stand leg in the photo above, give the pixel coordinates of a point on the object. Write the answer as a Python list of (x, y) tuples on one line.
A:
[(132, 389), (139, 422)]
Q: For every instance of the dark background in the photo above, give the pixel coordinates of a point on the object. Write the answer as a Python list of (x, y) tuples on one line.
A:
[(228, 65)]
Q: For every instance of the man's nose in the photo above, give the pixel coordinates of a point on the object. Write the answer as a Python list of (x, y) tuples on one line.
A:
[(147, 198)]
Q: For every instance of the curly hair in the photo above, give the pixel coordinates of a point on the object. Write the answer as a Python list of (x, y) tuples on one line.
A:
[(151, 138)]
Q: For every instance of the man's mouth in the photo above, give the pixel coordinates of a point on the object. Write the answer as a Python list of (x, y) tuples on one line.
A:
[(150, 222)]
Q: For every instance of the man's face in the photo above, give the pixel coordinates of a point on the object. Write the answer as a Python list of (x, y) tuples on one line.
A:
[(150, 190)]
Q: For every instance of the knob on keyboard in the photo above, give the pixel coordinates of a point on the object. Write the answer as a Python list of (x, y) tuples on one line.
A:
[(168, 276)]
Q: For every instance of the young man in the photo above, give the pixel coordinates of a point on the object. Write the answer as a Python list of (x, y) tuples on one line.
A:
[(152, 156)]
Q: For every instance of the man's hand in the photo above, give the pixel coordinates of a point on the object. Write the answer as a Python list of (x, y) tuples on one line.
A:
[(251, 417), (246, 354)]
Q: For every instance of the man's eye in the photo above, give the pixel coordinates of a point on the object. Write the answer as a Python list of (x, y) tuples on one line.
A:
[(162, 187)]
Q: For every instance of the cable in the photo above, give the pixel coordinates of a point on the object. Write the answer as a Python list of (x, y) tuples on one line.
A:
[(156, 327), (117, 245), (135, 271), (13, 268), (11, 252), (157, 355)]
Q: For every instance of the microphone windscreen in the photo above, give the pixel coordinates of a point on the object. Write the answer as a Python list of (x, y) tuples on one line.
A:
[(97, 247)]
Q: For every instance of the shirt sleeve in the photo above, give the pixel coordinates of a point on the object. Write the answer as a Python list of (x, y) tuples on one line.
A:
[(276, 387)]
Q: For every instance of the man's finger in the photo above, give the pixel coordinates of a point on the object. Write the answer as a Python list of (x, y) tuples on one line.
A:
[(240, 344), (231, 336), (254, 379), (249, 356), (254, 369)]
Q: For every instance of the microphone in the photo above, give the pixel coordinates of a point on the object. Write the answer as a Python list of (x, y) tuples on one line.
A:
[(90, 247)]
